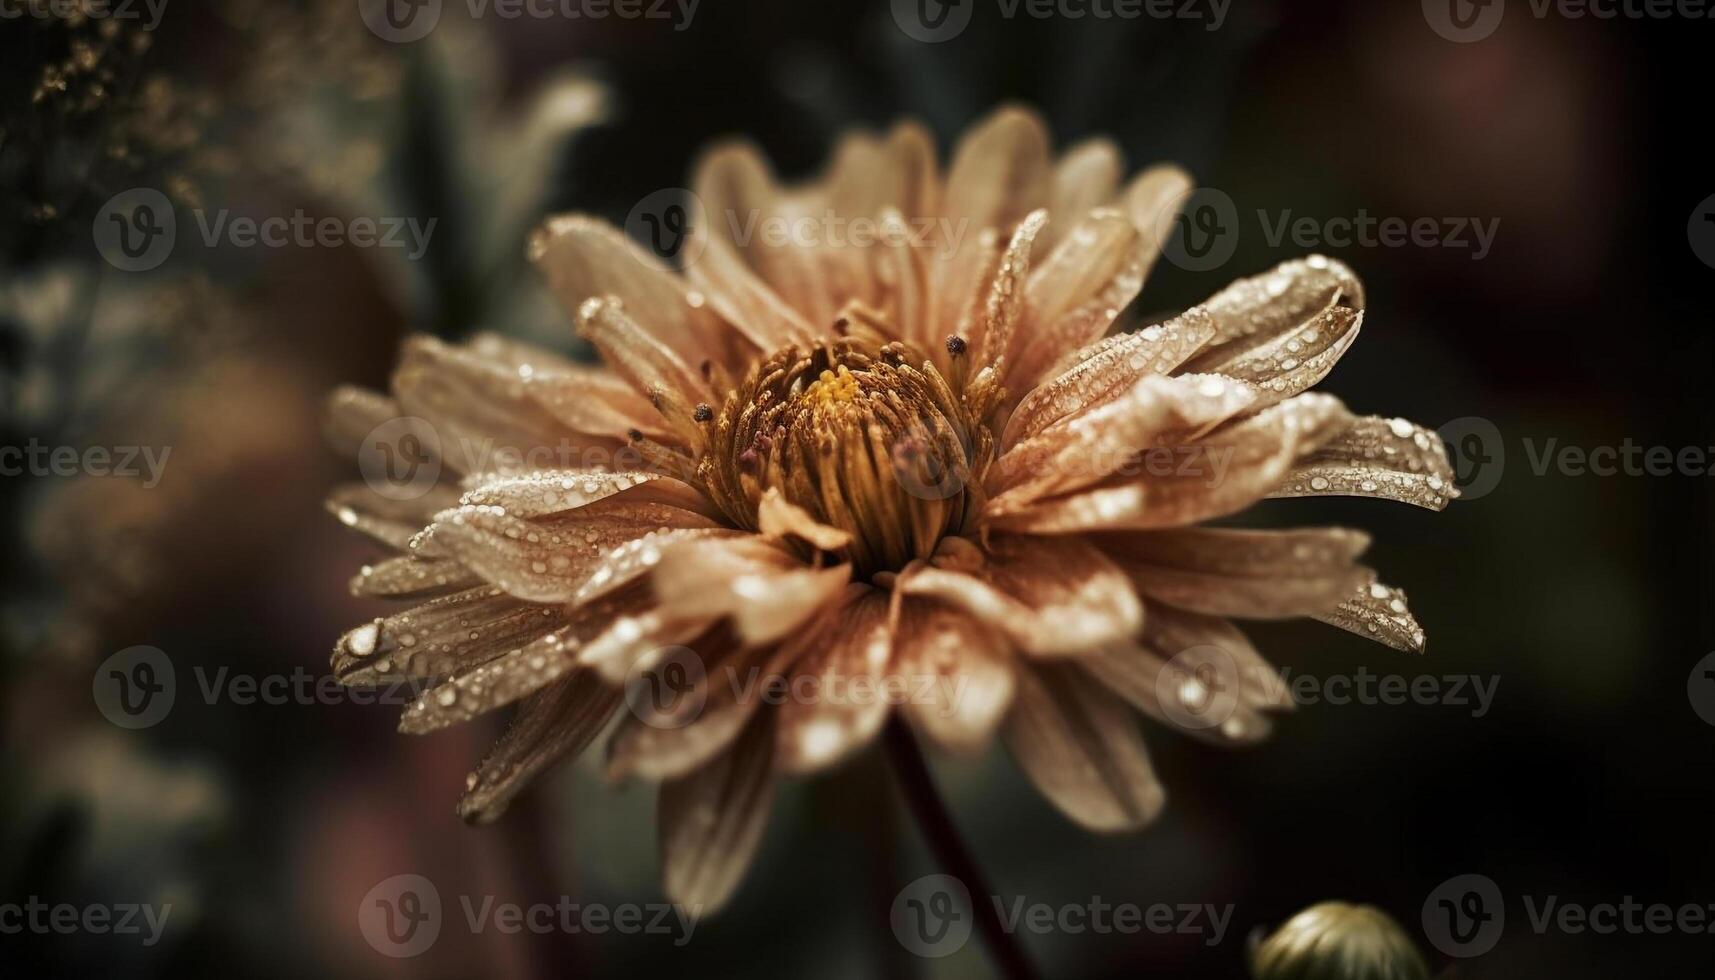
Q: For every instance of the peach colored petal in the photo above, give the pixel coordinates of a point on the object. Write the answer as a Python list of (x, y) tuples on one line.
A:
[(1157, 412), (712, 822), (550, 558), (1294, 360), (1080, 746), (777, 518), (584, 258), (1242, 573), (845, 706), (1379, 612), (651, 367), (764, 590), (1169, 631), (1086, 176), (1108, 369), (1077, 293), (516, 672), (352, 413), (1144, 679), (407, 577), (546, 492), (1255, 310), (556, 723), (1050, 596), (1374, 457), (744, 283), (1153, 199), (478, 407), (1221, 474), (957, 671), (1000, 171), (1005, 296), (434, 640), (392, 522)]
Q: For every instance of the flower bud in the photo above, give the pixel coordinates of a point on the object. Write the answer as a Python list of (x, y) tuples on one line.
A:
[(1337, 941)]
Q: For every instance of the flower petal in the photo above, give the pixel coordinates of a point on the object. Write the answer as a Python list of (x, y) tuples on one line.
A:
[(1242, 573), (585, 258), (1001, 170), (958, 674), (651, 367), (1253, 311), (1080, 746), (552, 724), (1374, 457), (712, 822), (1108, 369), (441, 637), (765, 590), (1379, 612), (544, 492), (778, 517), (480, 408), (1050, 596), (407, 576), (1294, 360), (1086, 176), (1221, 474), (742, 283), (1156, 413), (506, 672), (548, 559), (1153, 199), (1143, 678), (392, 522), (846, 707)]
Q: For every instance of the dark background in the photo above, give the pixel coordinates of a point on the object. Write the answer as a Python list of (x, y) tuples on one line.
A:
[(1585, 596)]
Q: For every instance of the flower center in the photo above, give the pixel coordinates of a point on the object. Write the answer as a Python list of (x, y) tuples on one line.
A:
[(870, 440)]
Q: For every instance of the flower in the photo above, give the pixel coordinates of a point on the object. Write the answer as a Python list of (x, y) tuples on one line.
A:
[(1337, 941), (921, 462)]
